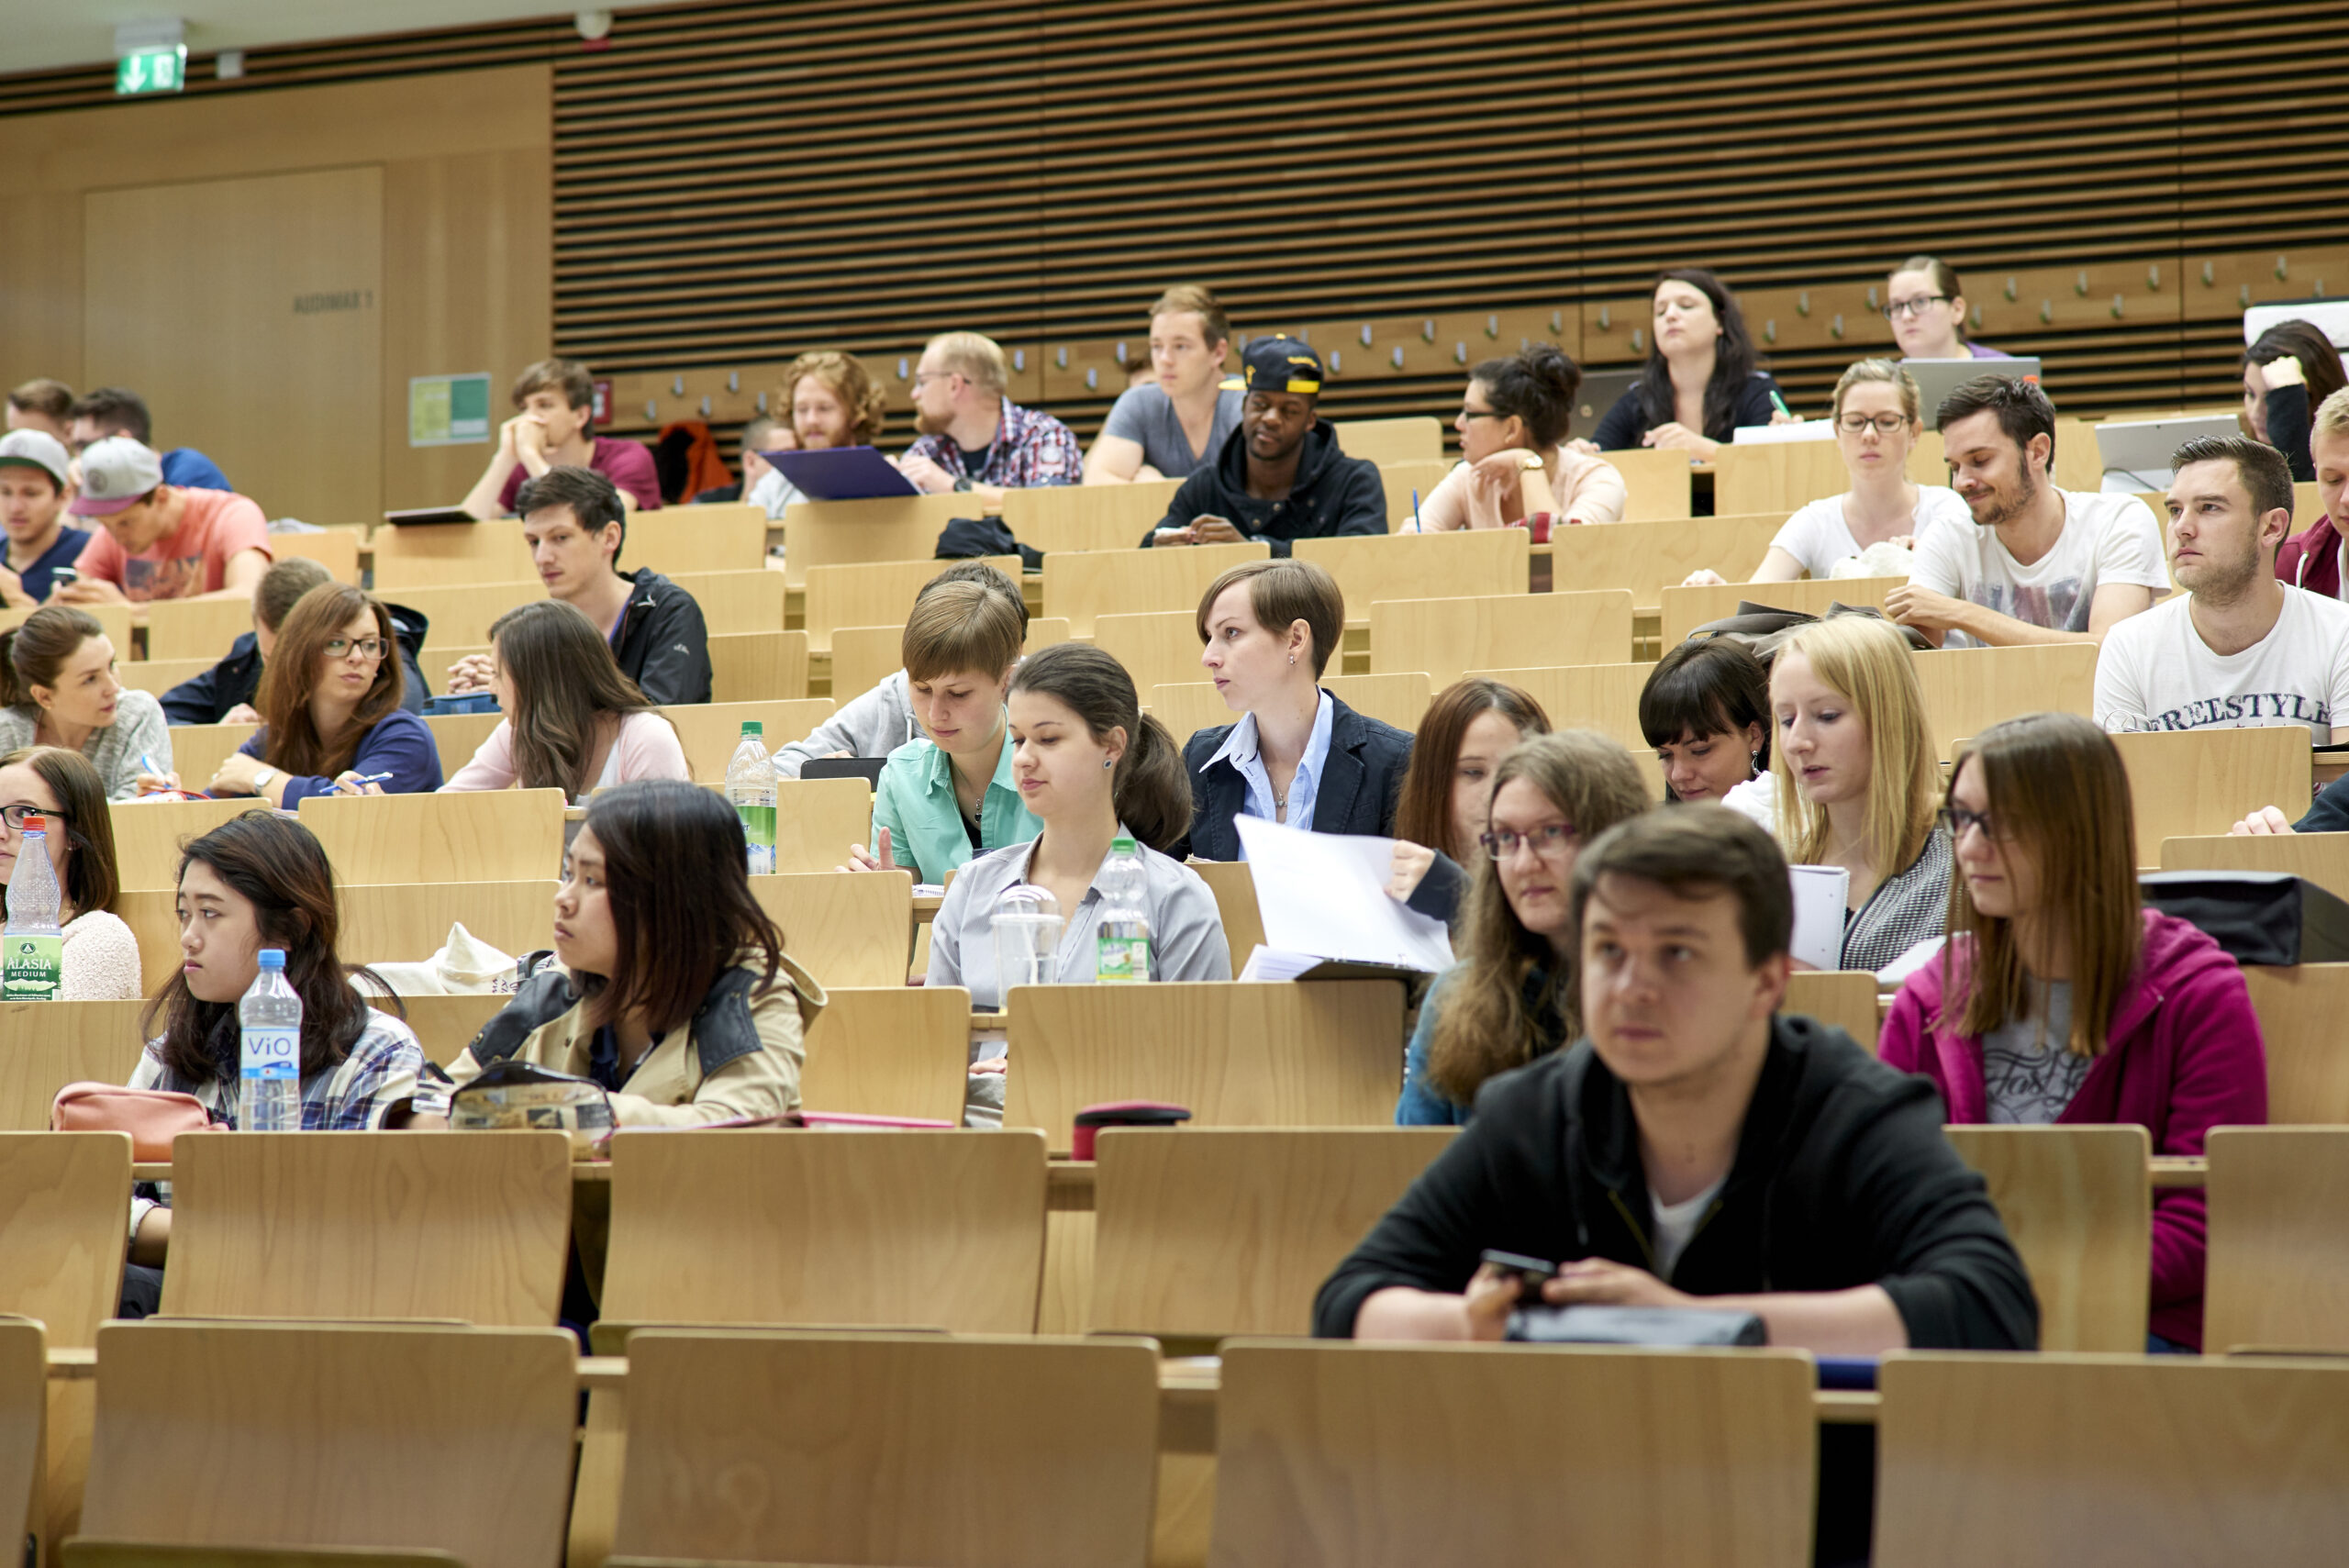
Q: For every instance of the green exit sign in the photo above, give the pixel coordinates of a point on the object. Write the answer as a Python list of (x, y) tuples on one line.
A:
[(151, 70)]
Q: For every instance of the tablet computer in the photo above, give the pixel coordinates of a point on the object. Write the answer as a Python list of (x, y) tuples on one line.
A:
[(1936, 379), (431, 515), (2136, 452), (842, 474)]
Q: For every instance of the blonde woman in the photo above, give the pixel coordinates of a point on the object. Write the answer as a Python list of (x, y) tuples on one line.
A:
[(1877, 424), (1857, 782), (830, 400)]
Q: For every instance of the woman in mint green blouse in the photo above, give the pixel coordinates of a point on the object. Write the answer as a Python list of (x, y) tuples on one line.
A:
[(950, 796)]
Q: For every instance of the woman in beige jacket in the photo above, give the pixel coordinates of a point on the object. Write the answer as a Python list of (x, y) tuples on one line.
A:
[(675, 993)]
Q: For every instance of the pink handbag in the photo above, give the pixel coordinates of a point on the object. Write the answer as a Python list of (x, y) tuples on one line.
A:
[(153, 1117)]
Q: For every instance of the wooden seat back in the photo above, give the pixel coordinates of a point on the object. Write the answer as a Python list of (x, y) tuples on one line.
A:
[(874, 595), (896, 1051), (2077, 1202), (745, 666), (24, 1399), (710, 731), (1605, 697), (2321, 858), (113, 619), (2280, 1239), (1411, 438), (198, 750), (1215, 1232), (1778, 476), (473, 1226), (850, 533), (1657, 487), (2192, 781), (1157, 648), (1066, 518), (149, 836), (816, 819), (901, 1229), (1408, 483), (316, 1436), (1079, 586), (334, 547), (444, 1025), (1472, 562), (2050, 1458), (733, 602), (396, 922), (156, 676), (1844, 997), (844, 931), (2299, 1010), (891, 1447), (449, 555), (1686, 609), (723, 537), (196, 628), (457, 736), (506, 835), (46, 1045), (1969, 689), (62, 1199), (1323, 1454), (1282, 1055), (1649, 557), (1447, 638), (1235, 901)]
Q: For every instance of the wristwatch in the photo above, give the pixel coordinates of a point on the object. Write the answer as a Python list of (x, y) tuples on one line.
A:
[(262, 778)]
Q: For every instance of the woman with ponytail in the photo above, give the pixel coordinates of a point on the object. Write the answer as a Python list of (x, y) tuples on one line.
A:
[(1092, 768), (1512, 425), (58, 687)]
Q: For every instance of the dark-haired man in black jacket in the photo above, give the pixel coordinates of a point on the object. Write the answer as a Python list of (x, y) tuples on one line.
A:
[(1695, 1147)]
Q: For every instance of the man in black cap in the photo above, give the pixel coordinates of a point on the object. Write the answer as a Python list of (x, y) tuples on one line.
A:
[(1280, 476)]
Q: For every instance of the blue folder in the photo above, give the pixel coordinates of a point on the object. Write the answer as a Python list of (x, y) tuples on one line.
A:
[(842, 474)]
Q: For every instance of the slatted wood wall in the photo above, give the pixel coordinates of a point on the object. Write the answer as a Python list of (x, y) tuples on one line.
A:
[(737, 181)]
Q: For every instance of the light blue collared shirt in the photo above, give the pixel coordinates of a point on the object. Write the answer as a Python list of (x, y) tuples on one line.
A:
[(1239, 749)]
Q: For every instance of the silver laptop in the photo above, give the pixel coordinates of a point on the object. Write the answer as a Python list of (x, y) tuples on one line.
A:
[(1601, 390), (1936, 379), (2136, 452)]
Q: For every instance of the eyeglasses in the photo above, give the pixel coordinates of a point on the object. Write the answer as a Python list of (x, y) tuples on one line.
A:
[(14, 816), (1482, 414), (1901, 308), (1547, 842), (920, 376), (1956, 820), (343, 647), (1885, 423)]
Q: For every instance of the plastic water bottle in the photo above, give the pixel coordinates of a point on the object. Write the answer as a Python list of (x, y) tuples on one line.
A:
[(1123, 949), (35, 948), (268, 1096), (750, 789)]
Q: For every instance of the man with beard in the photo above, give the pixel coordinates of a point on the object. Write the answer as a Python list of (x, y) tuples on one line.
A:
[(1280, 476), (2239, 650), (2040, 565), (975, 439)]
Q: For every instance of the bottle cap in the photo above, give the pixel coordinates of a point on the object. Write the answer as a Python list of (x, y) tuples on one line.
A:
[(1123, 844), (755, 726), (36, 823), (272, 958)]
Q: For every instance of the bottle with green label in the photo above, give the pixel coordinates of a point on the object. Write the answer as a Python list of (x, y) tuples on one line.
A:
[(1121, 952), (35, 946), (750, 789)]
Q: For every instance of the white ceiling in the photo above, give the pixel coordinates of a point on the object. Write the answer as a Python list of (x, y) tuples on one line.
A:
[(45, 34)]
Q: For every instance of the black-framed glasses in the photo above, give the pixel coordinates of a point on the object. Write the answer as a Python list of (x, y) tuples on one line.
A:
[(366, 648), (1885, 423), (1956, 820), (1546, 841), (14, 816), (1900, 307)]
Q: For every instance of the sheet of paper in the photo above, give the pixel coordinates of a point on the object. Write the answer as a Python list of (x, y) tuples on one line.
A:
[(1325, 894), (1821, 892)]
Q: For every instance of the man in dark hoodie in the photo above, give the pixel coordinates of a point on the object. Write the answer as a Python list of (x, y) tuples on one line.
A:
[(1697, 1148), (223, 694), (1280, 476), (575, 526)]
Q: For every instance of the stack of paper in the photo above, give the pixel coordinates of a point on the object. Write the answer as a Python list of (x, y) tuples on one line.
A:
[(1322, 897)]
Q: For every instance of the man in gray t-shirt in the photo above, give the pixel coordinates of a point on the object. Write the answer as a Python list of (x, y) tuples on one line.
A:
[(1145, 416), (1144, 437)]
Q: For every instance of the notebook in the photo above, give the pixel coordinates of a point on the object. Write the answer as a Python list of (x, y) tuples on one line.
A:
[(842, 474)]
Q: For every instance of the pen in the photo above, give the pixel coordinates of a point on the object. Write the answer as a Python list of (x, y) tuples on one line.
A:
[(1780, 404), (1415, 511), (148, 763), (365, 779)]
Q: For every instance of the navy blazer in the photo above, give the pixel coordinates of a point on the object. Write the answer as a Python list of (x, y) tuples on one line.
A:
[(1361, 783)]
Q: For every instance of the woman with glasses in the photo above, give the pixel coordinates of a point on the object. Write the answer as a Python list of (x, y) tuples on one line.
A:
[(1512, 997), (1876, 426), (329, 701), (2059, 999), (58, 688), (1512, 425), (1928, 313), (1856, 777), (60, 791)]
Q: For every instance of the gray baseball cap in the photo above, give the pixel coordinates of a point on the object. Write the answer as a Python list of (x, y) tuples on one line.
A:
[(115, 472), (35, 449)]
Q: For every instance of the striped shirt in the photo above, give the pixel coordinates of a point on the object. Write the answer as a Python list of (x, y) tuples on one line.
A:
[(349, 1097)]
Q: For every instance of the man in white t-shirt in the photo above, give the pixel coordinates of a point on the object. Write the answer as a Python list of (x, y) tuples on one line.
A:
[(2239, 650), (2040, 564)]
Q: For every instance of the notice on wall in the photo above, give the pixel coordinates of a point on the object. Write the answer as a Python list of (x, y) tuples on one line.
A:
[(448, 410)]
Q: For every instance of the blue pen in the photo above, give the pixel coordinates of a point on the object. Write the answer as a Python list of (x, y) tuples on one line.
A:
[(353, 786), (148, 763), (1415, 513)]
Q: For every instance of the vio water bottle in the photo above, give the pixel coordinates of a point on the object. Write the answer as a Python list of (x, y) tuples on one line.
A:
[(269, 1094), (35, 948)]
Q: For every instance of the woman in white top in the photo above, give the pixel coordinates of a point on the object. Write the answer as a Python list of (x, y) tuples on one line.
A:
[(62, 791), (1876, 428), (832, 401), (1092, 768), (572, 721), (1512, 425)]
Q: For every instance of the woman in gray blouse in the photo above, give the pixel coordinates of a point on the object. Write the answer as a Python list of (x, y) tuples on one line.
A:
[(1091, 767), (59, 688)]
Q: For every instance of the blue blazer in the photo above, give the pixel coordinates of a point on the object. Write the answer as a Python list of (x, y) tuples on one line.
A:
[(1360, 786)]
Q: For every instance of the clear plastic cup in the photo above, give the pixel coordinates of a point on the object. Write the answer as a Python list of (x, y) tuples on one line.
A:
[(1027, 926)]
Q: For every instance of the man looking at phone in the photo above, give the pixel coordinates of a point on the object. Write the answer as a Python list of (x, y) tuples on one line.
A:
[(33, 493), (1697, 1149)]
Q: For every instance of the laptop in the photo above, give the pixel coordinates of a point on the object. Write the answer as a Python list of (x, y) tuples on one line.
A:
[(865, 768), (1601, 390), (430, 515), (1936, 379), (2136, 452), (842, 474)]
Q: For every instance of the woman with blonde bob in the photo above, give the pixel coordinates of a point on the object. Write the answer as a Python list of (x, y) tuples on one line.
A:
[(2059, 999), (1513, 995), (1858, 781), (829, 399), (1877, 424)]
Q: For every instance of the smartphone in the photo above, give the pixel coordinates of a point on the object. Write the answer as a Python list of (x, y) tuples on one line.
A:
[(1531, 1273), (61, 575)]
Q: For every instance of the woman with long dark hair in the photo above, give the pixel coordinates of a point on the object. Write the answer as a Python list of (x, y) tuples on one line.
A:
[(1448, 788), (572, 721), (2287, 376), (59, 687), (1513, 995), (671, 989), (261, 880), (329, 701), (1700, 381)]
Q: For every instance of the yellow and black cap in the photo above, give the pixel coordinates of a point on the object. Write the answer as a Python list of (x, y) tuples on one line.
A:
[(1283, 364)]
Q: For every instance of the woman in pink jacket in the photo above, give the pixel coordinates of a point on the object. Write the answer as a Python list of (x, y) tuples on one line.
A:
[(2059, 999)]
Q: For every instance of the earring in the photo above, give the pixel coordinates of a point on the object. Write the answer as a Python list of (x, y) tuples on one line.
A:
[(1108, 761), (1292, 658)]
